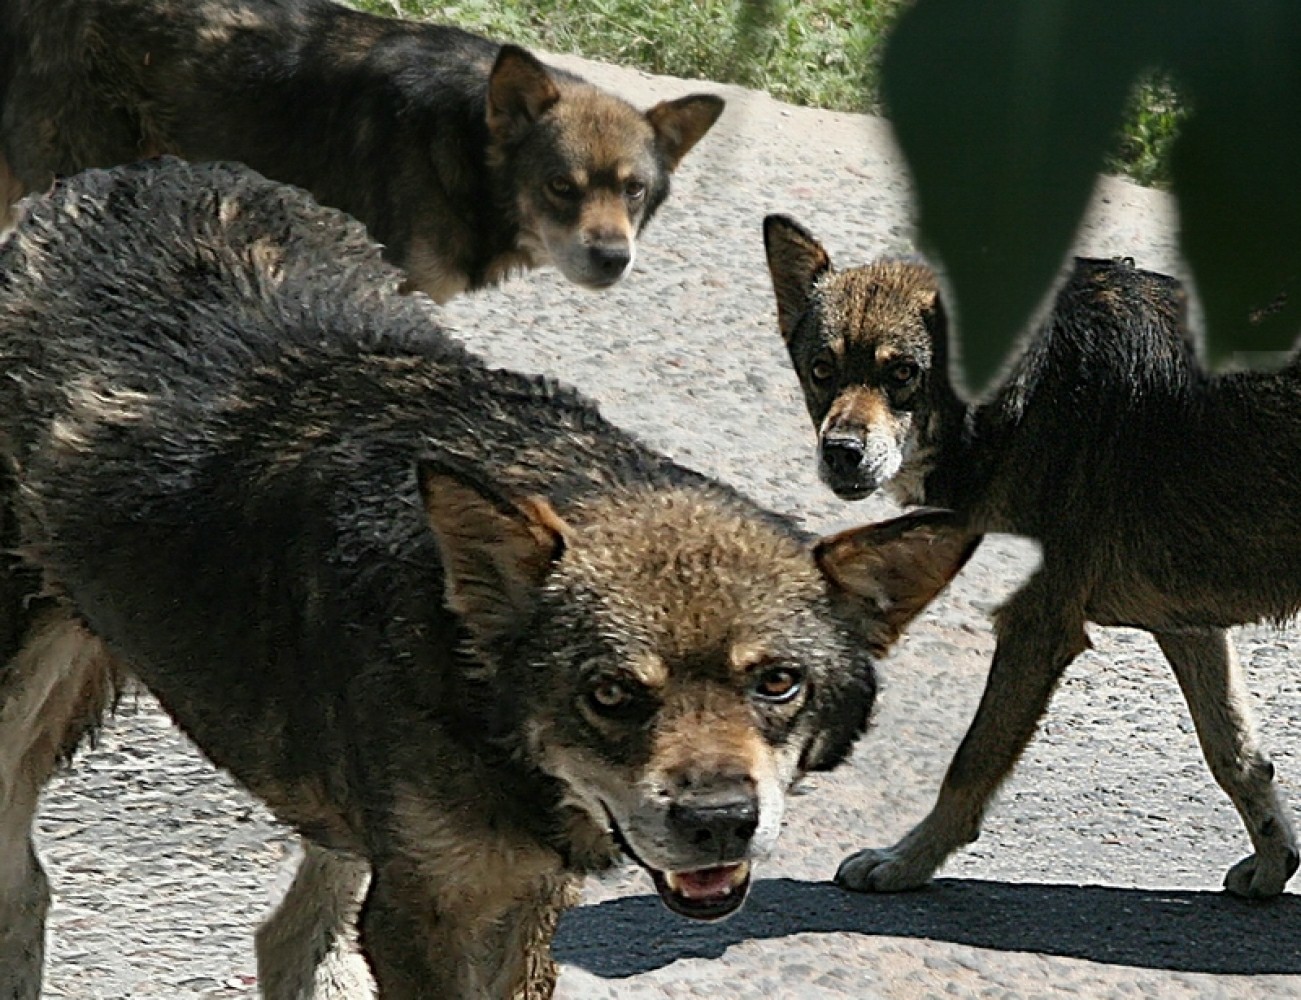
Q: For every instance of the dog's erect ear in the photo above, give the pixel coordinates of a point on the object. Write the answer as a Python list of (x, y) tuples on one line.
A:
[(496, 551), (681, 124), (796, 261), (519, 90), (896, 567)]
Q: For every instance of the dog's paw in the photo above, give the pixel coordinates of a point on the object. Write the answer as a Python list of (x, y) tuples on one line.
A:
[(1257, 878), (888, 870)]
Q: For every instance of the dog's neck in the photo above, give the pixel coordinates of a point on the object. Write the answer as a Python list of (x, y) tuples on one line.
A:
[(939, 466)]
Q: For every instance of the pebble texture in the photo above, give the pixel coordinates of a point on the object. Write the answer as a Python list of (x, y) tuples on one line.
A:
[(1099, 869)]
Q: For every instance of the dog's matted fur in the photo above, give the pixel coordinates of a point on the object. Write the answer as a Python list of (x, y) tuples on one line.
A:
[(443, 619), (465, 158), (1163, 497)]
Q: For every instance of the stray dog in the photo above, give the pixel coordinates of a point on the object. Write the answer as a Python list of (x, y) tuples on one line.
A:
[(1163, 498), (441, 618), (467, 159)]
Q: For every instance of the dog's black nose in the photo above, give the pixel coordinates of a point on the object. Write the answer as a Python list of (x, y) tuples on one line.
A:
[(718, 825), (611, 260), (842, 456)]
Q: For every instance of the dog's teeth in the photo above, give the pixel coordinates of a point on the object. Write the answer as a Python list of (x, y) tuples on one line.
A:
[(705, 883)]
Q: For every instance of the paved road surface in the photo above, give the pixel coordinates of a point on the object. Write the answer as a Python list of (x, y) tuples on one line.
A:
[(1099, 869)]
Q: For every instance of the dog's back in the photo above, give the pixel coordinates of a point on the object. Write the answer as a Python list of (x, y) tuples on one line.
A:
[(113, 81), (1112, 444), (267, 368)]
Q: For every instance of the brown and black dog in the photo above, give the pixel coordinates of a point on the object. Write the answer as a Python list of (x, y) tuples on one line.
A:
[(467, 159), (467, 637), (1163, 497)]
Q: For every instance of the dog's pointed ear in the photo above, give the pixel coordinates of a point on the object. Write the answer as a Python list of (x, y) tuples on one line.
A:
[(896, 567), (681, 124), (495, 551), (796, 261), (520, 90)]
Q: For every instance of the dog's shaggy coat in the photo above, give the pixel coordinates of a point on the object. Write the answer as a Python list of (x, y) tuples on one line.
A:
[(455, 628)]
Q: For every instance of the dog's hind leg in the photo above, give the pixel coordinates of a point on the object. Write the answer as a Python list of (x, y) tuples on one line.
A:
[(306, 949), (1038, 635), (52, 691), (1206, 665)]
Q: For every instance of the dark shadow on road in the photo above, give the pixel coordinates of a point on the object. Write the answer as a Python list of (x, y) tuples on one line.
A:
[(1180, 931)]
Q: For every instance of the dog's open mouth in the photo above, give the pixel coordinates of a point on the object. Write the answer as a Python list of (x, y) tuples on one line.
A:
[(706, 893), (701, 893)]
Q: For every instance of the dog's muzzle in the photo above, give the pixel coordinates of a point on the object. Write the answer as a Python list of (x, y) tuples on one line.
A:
[(592, 263), (843, 465), (608, 263), (712, 827)]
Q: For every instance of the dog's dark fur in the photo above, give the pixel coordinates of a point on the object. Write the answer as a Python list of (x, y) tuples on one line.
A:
[(441, 618), (1163, 498), (465, 158)]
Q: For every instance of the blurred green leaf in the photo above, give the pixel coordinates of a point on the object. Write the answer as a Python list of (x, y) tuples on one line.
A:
[(1236, 166), (1005, 110)]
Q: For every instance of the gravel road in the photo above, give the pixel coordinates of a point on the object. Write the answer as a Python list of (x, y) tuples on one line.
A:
[(1099, 869)]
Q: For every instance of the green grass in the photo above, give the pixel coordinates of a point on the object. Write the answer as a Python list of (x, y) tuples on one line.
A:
[(815, 52), (822, 53), (1152, 121)]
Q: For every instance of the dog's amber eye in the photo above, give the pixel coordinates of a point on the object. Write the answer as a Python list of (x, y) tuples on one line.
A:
[(610, 695), (903, 372), (823, 370), (561, 187), (634, 190), (779, 684)]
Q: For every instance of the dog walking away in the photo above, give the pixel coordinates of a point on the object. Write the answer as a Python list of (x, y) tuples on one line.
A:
[(1163, 498), (461, 633), (467, 159)]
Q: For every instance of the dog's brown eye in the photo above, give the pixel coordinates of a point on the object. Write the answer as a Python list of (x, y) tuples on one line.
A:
[(903, 372), (561, 187), (823, 370), (634, 190), (779, 684), (610, 696)]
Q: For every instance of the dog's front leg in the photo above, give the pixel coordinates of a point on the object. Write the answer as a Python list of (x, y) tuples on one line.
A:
[(1206, 665), (1040, 630), (423, 945), (305, 949)]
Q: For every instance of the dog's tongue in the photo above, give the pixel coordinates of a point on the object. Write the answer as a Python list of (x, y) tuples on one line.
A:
[(707, 883)]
